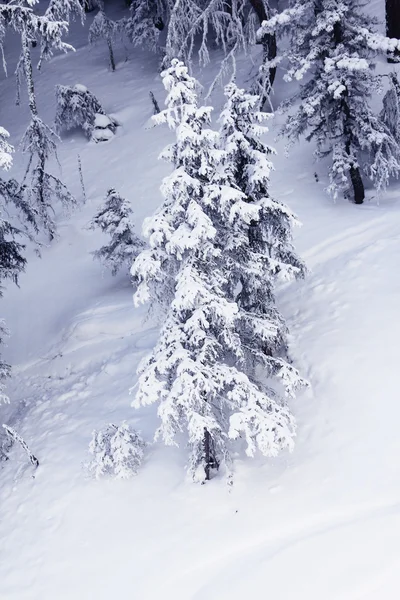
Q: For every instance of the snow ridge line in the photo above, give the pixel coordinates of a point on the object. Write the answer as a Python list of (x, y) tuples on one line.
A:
[(334, 246)]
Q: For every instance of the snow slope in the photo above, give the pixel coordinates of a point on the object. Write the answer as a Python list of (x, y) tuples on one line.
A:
[(323, 522)]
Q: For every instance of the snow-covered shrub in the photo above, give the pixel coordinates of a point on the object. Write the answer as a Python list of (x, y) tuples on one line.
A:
[(116, 451), (145, 23), (115, 219), (78, 107)]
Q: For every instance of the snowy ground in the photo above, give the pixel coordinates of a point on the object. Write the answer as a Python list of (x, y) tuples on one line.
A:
[(323, 522)]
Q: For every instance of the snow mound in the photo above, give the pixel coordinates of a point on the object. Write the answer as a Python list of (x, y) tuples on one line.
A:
[(102, 121), (80, 88), (102, 135)]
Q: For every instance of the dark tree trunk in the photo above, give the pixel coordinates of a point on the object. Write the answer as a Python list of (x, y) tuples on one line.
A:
[(210, 460), (268, 41), (111, 53), (358, 185), (355, 175), (393, 26)]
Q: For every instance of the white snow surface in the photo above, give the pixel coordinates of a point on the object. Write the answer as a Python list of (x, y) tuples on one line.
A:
[(320, 523)]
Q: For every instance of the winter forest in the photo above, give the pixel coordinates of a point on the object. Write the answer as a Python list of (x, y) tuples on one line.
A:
[(200, 235)]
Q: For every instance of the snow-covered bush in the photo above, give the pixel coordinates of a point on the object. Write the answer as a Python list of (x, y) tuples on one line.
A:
[(115, 219), (116, 451), (78, 107)]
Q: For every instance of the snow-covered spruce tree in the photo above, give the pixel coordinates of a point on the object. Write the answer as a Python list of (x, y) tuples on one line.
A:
[(116, 451), (76, 107), (333, 43), (39, 142), (42, 30), (104, 28), (258, 251), (63, 10), (198, 371), (115, 219), (145, 23)]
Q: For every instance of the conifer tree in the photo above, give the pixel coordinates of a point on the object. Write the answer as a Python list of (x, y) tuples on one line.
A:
[(258, 252), (104, 28), (115, 219), (39, 141), (199, 371), (334, 44), (145, 23), (76, 107)]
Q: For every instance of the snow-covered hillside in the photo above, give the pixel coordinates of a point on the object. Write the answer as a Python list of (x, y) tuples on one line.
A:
[(322, 522)]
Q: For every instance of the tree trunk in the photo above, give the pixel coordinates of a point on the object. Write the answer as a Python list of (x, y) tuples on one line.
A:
[(111, 53), (108, 34), (41, 165), (268, 42), (355, 175), (210, 460), (26, 53), (393, 26), (358, 185)]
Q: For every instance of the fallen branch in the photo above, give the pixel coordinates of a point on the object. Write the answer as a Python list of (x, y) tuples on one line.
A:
[(155, 103), (16, 437)]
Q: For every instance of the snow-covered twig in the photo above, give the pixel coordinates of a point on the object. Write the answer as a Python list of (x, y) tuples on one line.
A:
[(16, 437)]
